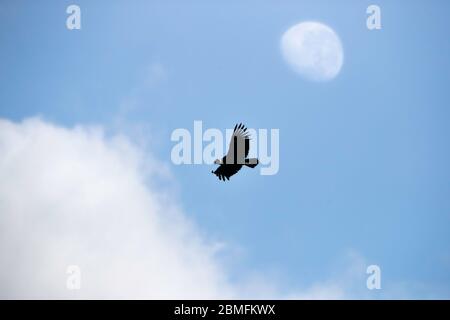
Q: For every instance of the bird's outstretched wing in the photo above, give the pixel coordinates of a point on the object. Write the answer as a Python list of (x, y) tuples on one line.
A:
[(239, 144), (225, 171)]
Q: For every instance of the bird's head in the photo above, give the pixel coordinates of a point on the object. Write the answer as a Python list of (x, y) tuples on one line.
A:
[(217, 161)]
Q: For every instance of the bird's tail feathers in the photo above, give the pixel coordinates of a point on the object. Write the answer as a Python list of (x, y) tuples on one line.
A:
[(252, 162)]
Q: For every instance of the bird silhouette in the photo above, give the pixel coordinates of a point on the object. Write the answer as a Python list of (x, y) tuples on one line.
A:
[(237, 154)]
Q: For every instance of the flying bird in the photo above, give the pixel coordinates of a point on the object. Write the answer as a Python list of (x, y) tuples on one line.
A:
[(237, 154)]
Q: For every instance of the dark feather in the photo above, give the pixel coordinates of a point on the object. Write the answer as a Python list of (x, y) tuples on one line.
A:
[(227, 170), (237, 154)]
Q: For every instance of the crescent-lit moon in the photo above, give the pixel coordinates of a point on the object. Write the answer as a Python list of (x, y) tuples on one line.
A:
[(313, 50)]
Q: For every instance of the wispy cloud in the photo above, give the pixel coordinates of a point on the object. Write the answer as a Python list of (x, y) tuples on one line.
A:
[(154, 76)]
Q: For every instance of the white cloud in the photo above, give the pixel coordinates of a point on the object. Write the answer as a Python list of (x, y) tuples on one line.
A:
[(321, 292), (78, 197), (75, 197)]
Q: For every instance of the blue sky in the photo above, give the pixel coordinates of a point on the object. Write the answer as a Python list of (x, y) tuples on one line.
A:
[(363, 158)]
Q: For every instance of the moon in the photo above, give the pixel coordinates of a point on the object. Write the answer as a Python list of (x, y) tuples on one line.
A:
[(313, 50)]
